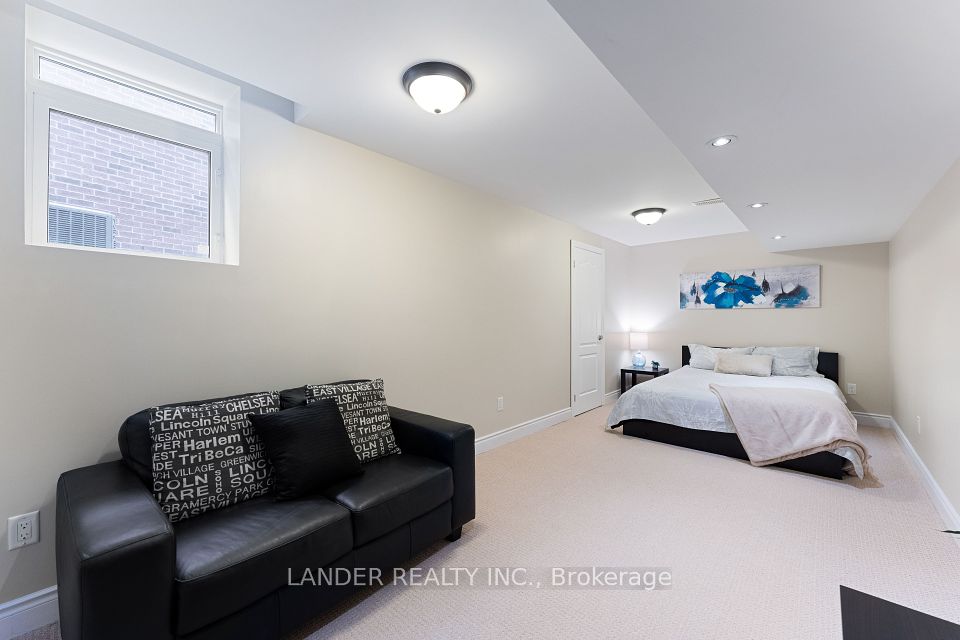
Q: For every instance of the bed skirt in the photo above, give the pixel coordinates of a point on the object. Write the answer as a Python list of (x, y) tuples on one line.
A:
[(824, 463)]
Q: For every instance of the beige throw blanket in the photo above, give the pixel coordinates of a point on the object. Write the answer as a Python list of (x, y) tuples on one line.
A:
[(782, 424)]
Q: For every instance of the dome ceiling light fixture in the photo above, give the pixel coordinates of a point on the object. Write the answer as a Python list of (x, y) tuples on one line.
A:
[(648, 216), (437, 87)]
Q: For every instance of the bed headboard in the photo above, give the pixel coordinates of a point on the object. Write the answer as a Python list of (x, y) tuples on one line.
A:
[(828, 364)]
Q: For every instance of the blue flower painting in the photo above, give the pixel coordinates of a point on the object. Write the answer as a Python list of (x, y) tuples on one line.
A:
[(724, 292), (788, 287)]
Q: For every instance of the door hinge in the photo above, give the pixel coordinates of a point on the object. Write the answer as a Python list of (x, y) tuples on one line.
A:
[(574, 397)]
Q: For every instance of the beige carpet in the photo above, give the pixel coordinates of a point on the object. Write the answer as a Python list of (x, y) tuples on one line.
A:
[(754, 553)]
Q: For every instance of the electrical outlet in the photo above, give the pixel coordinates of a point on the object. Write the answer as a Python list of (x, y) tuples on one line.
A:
[(851, 389), (918, 425), (499, 403), (23, 530)]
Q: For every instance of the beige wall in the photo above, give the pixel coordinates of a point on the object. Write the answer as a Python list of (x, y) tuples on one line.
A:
[(924, 312), (351, 264), (852, 320)]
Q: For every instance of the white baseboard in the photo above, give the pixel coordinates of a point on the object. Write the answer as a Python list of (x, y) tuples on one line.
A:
[(948, 513), (873, 420), (611, 398), (502, 437), (30, 612)]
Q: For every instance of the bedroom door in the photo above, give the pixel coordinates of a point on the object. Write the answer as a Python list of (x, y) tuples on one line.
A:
[(586, 327)]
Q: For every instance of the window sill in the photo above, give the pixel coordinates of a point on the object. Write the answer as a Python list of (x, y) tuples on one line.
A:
[(138, 254)]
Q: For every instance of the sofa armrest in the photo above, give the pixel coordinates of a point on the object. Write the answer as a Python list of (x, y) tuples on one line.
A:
[(451, 443), (115, 557)]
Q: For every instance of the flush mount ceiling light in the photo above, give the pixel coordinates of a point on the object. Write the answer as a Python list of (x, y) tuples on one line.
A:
[(438, 87), (722, 141), (648, 216), (758, 205)]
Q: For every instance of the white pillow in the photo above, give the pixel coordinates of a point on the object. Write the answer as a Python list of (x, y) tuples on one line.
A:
[(702, 357), (792, 361), (743, 364)]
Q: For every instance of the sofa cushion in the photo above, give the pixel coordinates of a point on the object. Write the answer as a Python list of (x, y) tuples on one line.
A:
[(392, 491), (229, 558), (308, 448)]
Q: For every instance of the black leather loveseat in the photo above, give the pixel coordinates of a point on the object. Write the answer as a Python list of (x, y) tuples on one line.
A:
[(125, 572)]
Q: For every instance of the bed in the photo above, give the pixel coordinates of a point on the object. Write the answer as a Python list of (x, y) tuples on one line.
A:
[(679, 409)]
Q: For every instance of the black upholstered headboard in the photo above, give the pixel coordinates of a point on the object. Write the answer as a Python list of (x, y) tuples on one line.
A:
[(828, 364)]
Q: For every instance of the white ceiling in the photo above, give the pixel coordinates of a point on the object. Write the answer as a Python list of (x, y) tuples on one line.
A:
[(547, 125), (847, 112)]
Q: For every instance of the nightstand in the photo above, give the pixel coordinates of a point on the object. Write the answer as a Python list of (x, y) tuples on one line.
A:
[(639, 371)]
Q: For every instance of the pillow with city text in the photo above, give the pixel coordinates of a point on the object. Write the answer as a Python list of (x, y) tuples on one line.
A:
[(208, 456), (363, 407)]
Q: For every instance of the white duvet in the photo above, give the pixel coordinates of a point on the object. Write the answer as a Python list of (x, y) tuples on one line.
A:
[(683, 398)]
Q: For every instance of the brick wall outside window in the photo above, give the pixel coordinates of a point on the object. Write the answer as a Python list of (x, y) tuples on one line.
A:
[(158, 190)]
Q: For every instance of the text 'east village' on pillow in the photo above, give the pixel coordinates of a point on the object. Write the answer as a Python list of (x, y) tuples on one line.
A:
[(363, 406)]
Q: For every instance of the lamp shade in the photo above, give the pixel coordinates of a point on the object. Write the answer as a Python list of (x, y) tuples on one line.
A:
[(639, 341), (649, 216)]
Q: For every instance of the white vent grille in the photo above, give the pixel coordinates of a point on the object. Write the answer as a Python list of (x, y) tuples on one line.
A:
[(70, 225), (701, 203)]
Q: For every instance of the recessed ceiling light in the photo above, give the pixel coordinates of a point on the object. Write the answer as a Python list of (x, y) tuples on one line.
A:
[(438, 87), (648, 216), (758, 205), (779, 237), (722, 141)]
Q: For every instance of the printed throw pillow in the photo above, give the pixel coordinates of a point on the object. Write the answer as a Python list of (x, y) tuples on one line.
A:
[(208, 456), (363, 407)]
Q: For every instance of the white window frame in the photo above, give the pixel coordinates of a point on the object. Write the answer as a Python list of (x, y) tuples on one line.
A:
[(44, 97)]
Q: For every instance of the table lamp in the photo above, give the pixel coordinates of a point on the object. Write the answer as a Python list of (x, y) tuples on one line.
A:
[(639, 342)]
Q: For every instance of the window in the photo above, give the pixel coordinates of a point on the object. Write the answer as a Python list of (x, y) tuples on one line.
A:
[(157, 191), (120, 165), (63, 74)]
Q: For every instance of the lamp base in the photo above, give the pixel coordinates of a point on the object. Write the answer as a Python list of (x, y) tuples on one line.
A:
[(639, 360)]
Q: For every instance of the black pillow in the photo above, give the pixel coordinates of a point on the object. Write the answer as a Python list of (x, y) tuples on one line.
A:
[(308, 447)]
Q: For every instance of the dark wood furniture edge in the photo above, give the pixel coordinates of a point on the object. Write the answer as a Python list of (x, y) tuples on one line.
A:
[(636, 372), (824, 463)]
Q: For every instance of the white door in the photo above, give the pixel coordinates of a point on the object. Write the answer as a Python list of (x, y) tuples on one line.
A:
[(586, 327)]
